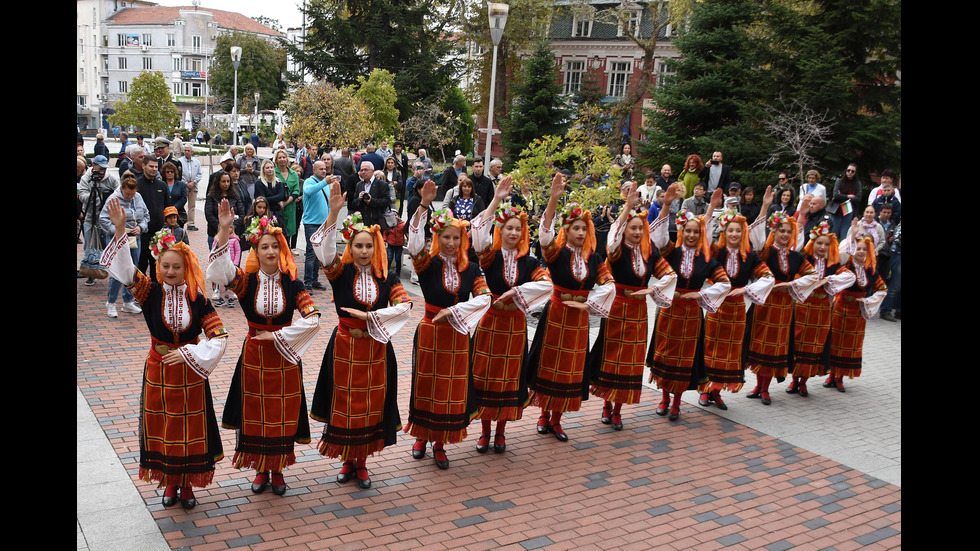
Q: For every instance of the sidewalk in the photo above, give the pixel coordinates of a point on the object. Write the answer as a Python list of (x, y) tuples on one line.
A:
[(808, 473)]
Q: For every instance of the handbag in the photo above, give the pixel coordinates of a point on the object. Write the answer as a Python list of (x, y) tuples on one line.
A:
[(90, 266)]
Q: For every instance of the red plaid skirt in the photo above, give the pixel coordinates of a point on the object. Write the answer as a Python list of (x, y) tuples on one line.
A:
[(810, 330), (563, 347), (623, 345), (724, 334), (268, 408), (438, 408), (179, 442), (846, 336), (675, 348), (499, 348), (771, 325)]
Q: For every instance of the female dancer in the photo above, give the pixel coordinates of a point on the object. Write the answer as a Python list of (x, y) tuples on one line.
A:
[(440, 407), (179, 441), (768, 355), (853, 306), (582, 284), (355, 392), (266, 403), (725, 329), (519, 285), (676, 356), (811, 323), (616, 359)]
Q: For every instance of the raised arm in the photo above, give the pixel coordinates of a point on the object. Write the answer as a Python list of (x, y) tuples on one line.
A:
[(226, 219), (714, 203), (557, 190)]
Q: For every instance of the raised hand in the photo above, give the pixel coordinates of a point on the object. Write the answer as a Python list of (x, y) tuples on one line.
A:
[(504, 188), (716, 198), (670, 195), (767, 199), (558, 185), (633, 196), (226, 218), (117, 215), (338, 198), (429, 192)]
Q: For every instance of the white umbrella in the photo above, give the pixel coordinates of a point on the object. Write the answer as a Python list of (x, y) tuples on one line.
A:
[(187, 120)]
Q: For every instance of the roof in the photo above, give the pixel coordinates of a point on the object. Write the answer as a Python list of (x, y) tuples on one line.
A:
[(157, 15)]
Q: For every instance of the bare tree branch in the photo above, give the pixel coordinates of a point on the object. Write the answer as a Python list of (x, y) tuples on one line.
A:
[(798, 130)]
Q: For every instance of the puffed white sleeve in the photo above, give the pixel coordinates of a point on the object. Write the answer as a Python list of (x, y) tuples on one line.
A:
[(480, 233), (324, 242), (872, 304), (711, 298), (838, 282), (757, 233), (847, 248), (221, 269), (203, 357), (660, 232), (532, 295), (758, 291), (546, 233), (293, 340), (383, 323), (801, 287), (416, 235), (615, 237), (601, 299), (117, 260), (465, 316), (663, 289)]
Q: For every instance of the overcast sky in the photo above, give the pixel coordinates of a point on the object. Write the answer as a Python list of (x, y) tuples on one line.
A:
[(286, 11)]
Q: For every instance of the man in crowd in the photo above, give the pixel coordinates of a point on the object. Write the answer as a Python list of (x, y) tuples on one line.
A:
[(95, 187), (665, 178), (368, 195), (697, 203), (315, 211), (450, 176), (133, 162), (817, 212), (402, 163), (496, 170), (887, 197), (384, 151), (162, 152), (371, 156), (191, 168), (482, 185), (344, 163), (716, 174), (156, 196)]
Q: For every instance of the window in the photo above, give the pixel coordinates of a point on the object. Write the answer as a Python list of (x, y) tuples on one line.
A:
[(573, 76), (105, 63), (630, 26), (664, 73), (196, 89), (196, 64), (176, 64), (146, 41), (196, 43), (105, 41), (123, 87), (122, 63), (81, 73), (171, 39), (120, 40), (581, 26), (147, 63), (176, 88), (81, 101), (619, 78)]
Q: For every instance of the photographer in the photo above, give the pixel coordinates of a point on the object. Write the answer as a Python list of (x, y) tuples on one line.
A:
[(370, 196)]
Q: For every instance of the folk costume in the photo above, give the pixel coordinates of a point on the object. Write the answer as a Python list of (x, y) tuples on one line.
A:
[(725, 329), (500, 342), (178, 434), (615, 363), (356, 392), (441, 404), (676, 356), (266, 402), (850, 314), (771, 324), (811, 321), (556, 361)]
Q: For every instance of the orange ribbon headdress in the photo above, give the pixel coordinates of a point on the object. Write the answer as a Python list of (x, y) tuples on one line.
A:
[(869, 260), (685, 216), (571, 213), (442, 220), (776, 220), (733, 217), (353, 225), (255, 231), (505, 212), (820, 230), (641, 213), (164, 241)]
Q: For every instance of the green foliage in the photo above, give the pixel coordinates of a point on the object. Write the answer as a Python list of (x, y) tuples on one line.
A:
[(261, 69), (378, 93), (148, 105), (455, 104), (539, 108), (431, 127), (323, 114)]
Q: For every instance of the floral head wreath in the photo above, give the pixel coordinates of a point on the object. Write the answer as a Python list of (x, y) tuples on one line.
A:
[(441, 219), (161, 241), (779, 218), (259, 227), (727, 217), (505, 212), (821, 229), (353, 224), (638, 210), (570, 213), (683, 217)]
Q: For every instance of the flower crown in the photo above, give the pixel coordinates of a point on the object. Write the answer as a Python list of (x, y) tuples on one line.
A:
[(570, 213), (821, 229), (259, 227), (683, 217), (161, 241), (638, 210), (778, 219), (352, 225), (727, 217), (505, 212), (441, 219)]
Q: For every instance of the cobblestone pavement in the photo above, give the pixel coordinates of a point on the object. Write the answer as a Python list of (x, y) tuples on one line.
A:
[(822, 472)]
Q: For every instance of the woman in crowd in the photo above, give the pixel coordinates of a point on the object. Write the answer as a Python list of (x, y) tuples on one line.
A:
[(867, 225), (690, 175), (395, 181), (137, 222), (626, 160), (582, 284), (456, 298), (847, 188), (676, 355), (266, 403), (519, 285), (177, 189), (853, 306), (615, 362), (466, 204), (287, 205), (747, 206), (272, 189), (356, 390), (784, 203), (812, 187), (179, 441)]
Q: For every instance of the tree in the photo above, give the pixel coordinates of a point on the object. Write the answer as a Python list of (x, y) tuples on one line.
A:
[(455, 104), (431, 126), (796, 131), (147, 106), (261, 69), (323, 114), (350, 38), (539, 108), (268, 22), (378, 93)]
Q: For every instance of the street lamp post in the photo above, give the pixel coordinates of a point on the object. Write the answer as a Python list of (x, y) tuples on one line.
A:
[(256, 127), (498, 18), (236, 59)]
